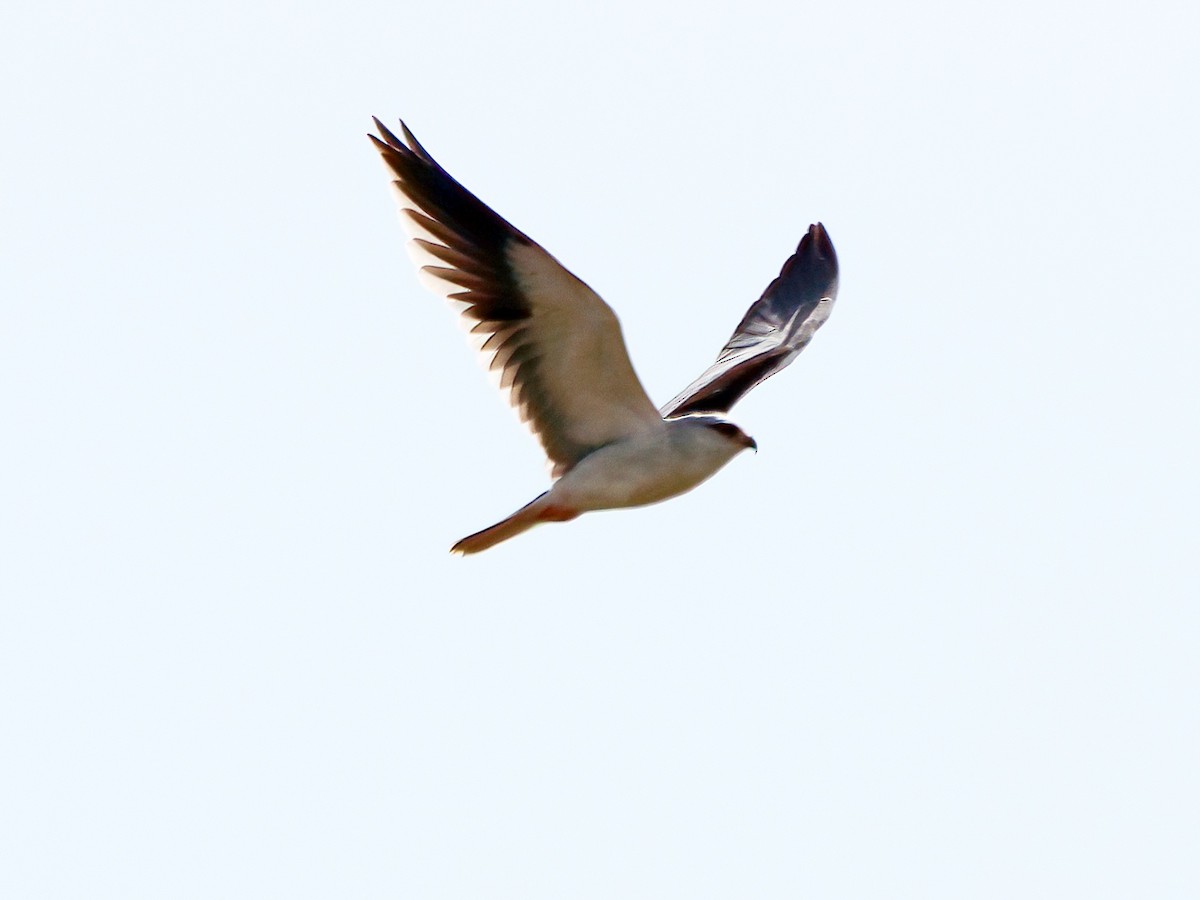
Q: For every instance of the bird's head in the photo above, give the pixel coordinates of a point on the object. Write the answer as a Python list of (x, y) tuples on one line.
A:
[(732, 432)]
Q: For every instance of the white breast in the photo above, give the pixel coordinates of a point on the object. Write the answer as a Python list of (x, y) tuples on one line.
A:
[(645, 469)]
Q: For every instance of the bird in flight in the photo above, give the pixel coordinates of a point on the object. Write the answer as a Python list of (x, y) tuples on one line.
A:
[(556, 350)]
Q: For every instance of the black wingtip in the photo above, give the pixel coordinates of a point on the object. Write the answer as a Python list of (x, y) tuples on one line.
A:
[(819, 236), (409, 146), (815, 249), (389, 139), (414, 144)]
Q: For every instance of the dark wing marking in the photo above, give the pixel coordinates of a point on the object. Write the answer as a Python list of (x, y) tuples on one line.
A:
[(555, 347), (774, 330)]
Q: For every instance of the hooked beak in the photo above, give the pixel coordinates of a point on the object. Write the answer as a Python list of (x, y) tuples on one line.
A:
[(751, 443)]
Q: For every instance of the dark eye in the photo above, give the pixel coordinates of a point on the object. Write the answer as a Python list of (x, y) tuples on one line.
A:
[(728, 429)]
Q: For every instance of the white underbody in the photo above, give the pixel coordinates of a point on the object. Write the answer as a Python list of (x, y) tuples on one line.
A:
[(648, 467)]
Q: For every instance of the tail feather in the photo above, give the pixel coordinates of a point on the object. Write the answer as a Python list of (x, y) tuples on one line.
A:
[(520, 521)]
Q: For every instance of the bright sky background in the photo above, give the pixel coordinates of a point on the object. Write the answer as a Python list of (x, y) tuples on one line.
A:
[(938, 639)]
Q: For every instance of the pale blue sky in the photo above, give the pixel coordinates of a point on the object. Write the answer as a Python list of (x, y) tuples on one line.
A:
[(938, 639)]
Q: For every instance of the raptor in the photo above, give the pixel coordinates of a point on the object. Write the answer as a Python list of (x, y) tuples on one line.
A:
[(556, 351)]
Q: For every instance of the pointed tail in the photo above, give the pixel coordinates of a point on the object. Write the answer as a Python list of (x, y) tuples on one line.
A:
[(522, 520)]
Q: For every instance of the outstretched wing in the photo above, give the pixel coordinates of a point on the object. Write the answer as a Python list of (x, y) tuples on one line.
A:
[(555, 346), (774, 330)]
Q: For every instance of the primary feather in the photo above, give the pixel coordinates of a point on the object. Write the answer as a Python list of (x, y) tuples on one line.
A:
[(554, 345)]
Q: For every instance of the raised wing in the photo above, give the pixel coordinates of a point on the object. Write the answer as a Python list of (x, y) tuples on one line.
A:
[(774, 330), (555, 346)]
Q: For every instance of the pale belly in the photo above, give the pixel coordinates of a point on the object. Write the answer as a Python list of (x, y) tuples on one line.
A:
[(635, 474)]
